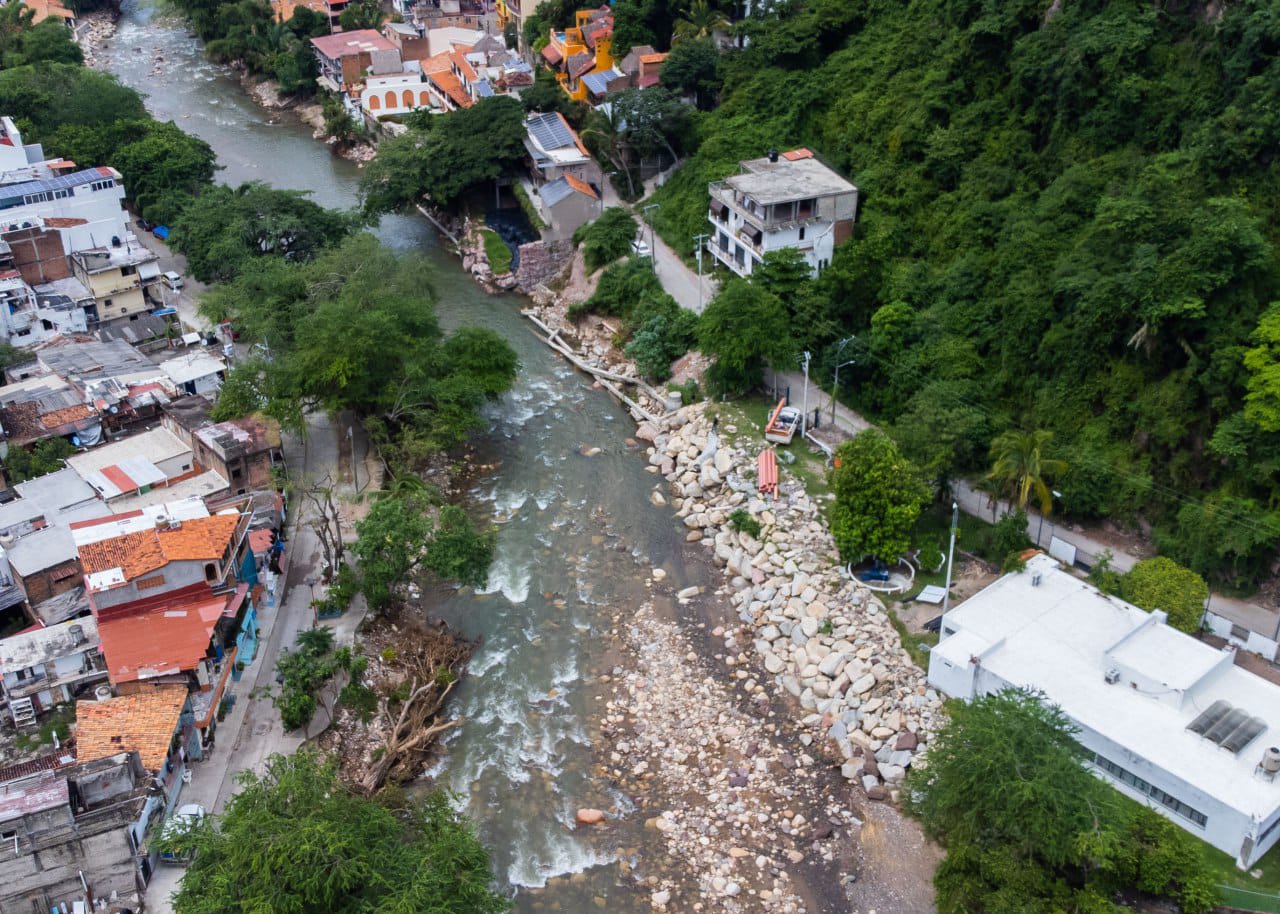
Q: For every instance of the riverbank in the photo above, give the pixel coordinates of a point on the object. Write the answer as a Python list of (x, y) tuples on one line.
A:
[(93, 33)]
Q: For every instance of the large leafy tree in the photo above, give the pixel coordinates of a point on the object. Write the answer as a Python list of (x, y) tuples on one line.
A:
[(1021, 467), (878, 496), (295, 840), (1262, 402), (405, 529), (693, 68), (699, 20), (745, 328), (1161, 583), (1027, 827), (224, 228), (443, 157)]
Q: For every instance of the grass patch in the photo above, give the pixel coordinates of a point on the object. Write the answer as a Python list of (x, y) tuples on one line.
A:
[(497, 251), (59, 721), (1224, 870)]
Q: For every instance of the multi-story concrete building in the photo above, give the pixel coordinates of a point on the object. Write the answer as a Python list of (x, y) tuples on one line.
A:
[(118, 276), (89, 204), (780, 201), (1164, 718), (43, 667)]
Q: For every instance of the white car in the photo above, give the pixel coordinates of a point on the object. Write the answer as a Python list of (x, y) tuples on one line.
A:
[(186, 819), (172, 280), (640, 248)]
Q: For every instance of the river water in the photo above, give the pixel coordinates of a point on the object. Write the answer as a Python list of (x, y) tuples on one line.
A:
[(577, 533)]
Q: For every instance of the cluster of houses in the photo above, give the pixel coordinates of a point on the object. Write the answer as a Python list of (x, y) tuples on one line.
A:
[(69, 262), (130, 580)]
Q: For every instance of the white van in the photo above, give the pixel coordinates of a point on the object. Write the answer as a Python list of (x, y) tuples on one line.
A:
[(172, 280)]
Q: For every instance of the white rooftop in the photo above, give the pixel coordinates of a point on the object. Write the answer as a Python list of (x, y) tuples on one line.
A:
[(41, 645), (157, 446), (192, 366), (139, 519), (1063, 637)]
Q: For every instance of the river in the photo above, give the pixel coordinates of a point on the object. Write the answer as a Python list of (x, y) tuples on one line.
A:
[(577, 533)]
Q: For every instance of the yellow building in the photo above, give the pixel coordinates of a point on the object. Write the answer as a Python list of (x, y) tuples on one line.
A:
[(117, 277), (583, 49)]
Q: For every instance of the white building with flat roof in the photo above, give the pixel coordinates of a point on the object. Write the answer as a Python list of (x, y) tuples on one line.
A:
[(784, 200), (1166, 719)]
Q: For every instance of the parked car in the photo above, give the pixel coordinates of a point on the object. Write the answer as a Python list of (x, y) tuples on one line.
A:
[(172, 280), (178, 825), (144, 224), (640, 248), (161, 232)]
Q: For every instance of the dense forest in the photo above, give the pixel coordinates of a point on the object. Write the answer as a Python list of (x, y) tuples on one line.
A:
[(1068, 221)]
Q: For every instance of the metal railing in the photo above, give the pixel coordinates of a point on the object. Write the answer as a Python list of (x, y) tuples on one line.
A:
[(1249, 900)]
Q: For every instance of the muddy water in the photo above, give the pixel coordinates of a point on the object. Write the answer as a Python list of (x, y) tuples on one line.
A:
[(578, 534)]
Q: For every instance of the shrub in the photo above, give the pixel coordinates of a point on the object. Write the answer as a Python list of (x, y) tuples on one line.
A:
[(743, 522), (1009, 538), (607, 238), (1161, 583), (361, 699)]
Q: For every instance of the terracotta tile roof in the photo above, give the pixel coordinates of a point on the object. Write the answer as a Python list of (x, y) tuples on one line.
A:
[(45, 8), (649, 79), (581, 186), (580, 63), (67, 414), (451, 86), (345, 44), (25, 769), (552, 55), (260, 541), (200, 539), (59, 222), (464, 66), (797, 154), (577, 140), (168, 640), (652, 58), (144, 721)]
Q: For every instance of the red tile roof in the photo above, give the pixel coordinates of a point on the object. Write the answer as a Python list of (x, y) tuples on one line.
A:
[(652, 58), (464, 66), (552, 55), (162, 642), (451, 86), (797, 154), (144, 721), (137, 554), (581, 187)]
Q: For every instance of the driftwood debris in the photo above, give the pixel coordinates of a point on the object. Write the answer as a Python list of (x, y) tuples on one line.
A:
[(605, 378), (412, 691)]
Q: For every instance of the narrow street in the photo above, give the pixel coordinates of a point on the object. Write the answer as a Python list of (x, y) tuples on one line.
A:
[(251, 731)]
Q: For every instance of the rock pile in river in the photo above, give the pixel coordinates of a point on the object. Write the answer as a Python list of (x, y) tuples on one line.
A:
[(823, 637)]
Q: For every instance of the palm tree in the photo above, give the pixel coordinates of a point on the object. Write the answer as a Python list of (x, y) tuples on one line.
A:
[(1020, 467), (700, 20)]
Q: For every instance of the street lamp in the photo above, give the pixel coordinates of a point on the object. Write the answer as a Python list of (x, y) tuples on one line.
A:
[(804, 415), (836, 389), (951, 555), (697, 252), (1040, 529)]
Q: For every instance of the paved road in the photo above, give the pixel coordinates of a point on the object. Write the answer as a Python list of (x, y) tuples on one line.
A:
[(1260, 619), (252, 731)]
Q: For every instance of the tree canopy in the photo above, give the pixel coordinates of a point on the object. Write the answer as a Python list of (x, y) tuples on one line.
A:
[(1069, 217), (745, 327), (295, 840), (1161, 583), (1027, 827), (878, 496), (444, 157)]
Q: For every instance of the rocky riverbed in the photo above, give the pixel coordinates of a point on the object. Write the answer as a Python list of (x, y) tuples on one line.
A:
[(820, 636)]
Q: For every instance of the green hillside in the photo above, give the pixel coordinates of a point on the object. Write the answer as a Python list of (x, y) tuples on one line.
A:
[(1068, 221)]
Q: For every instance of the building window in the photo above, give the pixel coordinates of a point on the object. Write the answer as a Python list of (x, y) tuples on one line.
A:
[(102, 185), (210, 572), (1239, 632), (129, 270), (106, 303), (1169, 801), (133, 317)]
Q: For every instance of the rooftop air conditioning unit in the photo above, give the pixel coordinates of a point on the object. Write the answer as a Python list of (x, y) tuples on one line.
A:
[(1271, 760), (1112, 677)]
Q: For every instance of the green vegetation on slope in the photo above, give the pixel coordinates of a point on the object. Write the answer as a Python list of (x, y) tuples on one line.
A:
[(1066, 225)]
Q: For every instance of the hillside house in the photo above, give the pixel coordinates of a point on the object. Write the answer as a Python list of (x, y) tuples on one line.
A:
[(582, 49), (46, 666), (1164, 718), (782, 201), (140, 462), (346, 58), (90, 201), (555, 150), (148, 722), (243, 451), (119, 277), (568, 203)]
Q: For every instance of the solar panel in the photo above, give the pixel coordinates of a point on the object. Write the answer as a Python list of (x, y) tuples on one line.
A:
[(1208, 718), (550, 131), (1244, 734), (1222, 729)]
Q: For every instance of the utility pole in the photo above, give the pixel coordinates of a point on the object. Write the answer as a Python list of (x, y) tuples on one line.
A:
[(355, 474), (804, 415), (697, 252), (836, 388), (653, 249), (1040, 529), (951, 555)]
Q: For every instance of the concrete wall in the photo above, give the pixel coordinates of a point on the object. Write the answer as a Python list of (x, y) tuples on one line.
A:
[(177, 575), (41, 586), (1259, 644), (52, 875), (38, 255)]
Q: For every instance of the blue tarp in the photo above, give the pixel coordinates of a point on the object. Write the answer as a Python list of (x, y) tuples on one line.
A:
[(249, 570)]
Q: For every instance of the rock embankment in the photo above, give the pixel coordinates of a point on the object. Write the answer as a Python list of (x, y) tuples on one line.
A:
[(475, 260), (93, 32), (825, 639)]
